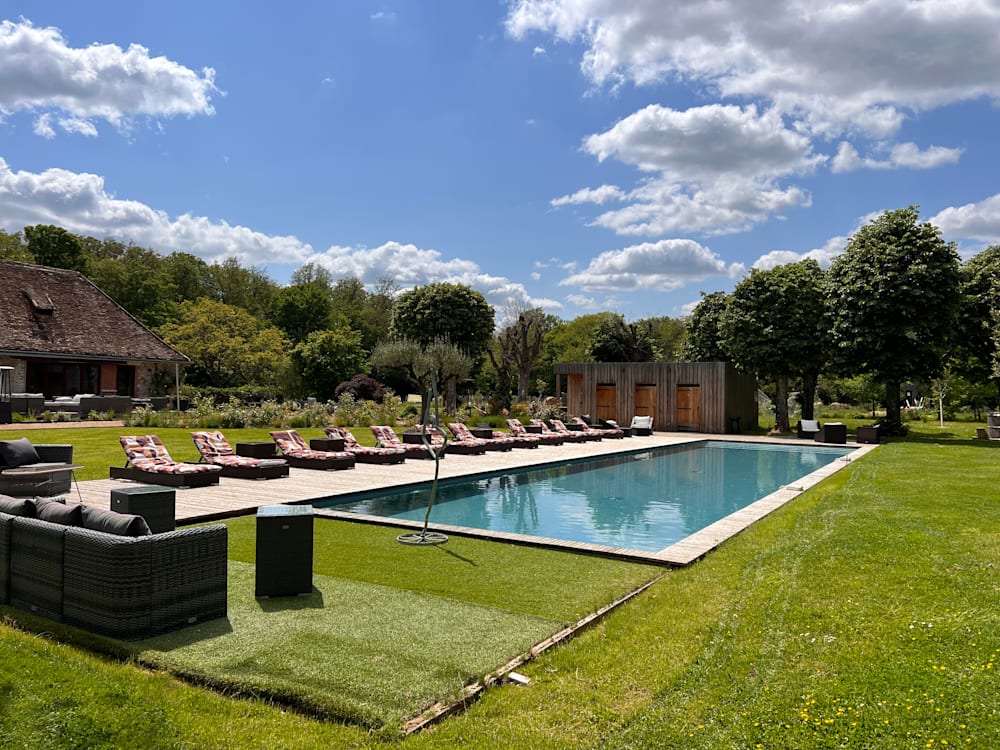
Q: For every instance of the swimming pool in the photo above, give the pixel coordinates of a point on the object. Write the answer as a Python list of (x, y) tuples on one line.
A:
[(643, 501)]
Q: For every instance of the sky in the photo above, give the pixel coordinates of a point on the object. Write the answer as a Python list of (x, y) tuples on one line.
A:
[(575, 155)]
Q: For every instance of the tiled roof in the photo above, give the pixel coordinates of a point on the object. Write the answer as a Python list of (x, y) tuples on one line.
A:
[(58, 313)]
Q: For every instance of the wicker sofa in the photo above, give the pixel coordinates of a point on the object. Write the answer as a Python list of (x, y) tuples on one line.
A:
[(124, 587), (50, 460)]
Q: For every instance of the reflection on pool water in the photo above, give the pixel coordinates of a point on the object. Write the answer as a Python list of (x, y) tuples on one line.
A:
[(642, 501)]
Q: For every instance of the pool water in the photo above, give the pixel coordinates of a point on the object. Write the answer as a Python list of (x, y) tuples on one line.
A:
[(643, 501)]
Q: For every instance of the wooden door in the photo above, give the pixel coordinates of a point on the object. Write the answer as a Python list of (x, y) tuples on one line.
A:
[(607, 397), (688, 410), (645, 401)]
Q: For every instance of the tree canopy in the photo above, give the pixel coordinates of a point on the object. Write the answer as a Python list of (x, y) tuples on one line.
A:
[(893, 298), (774, 326), (615, 340), (454, 313), (704, 340)]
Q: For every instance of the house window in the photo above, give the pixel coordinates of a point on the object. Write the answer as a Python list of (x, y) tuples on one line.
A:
[(61, 378)]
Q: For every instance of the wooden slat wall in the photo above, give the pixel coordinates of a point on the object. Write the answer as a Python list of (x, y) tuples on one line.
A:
[(725, 392)]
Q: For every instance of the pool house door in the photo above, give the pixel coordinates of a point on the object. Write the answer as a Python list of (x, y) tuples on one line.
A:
[(607, 396), (645, 401), (688, 411)]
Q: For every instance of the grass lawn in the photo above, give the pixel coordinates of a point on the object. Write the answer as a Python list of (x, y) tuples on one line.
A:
[(865, 614)]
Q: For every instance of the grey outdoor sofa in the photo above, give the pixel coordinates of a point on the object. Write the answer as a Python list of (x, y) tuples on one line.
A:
[(49, 464), (124, 587)]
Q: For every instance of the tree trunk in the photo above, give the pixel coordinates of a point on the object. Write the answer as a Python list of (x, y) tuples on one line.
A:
[(892, 425), (809, 395), (781, 404)]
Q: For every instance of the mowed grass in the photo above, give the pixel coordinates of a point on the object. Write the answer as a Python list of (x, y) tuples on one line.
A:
[(864, 614)]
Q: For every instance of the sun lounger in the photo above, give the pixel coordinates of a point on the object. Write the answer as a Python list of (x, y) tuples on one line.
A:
[(474, 447), (298, 454), (215, 449), (559, 427), (365, 453), (387, 438), (148, 461), (517, 429), (568, 436), (604, 432), (462, 433)]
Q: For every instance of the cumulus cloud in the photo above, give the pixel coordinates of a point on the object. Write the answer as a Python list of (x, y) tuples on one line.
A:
[(830, 63), (41, 73), (714, 169), (803, 71), (823, 255), (412, 266), (80, 203), (977, 221), (662, 266), (906, 155), (598, 195)]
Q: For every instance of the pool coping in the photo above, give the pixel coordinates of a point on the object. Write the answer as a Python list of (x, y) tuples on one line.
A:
[(682, 553)]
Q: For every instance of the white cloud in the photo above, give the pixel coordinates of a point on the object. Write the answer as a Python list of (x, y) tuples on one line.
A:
[(662, 266), (714, 170), (702, 144), (978, 221), (598, 195), (80, 203), (40, 72), (538, 51), (384, 15), (907, 155), (583, 302), (837, 65), (412, 266)]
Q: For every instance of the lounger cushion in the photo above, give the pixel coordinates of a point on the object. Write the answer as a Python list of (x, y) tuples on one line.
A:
[(18, 452), (810, 425), (55, 511), (17, 506), (120, 524)]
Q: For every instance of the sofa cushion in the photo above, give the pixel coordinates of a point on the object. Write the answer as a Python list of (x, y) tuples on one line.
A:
[(120, 524), (55, 511), (18, 452), (17, 506)]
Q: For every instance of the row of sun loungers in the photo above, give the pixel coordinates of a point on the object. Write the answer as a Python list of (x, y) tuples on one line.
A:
[(149, 461)]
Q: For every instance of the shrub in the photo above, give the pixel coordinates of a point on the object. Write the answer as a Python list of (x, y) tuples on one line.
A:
[(362, 388)]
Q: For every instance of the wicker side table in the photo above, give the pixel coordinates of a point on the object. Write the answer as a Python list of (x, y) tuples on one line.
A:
[(156, 504)]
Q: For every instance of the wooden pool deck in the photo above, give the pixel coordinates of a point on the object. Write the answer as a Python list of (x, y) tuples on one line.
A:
[(236, 497)]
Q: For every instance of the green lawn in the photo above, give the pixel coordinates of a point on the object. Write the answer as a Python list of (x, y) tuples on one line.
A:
[(865, 614)]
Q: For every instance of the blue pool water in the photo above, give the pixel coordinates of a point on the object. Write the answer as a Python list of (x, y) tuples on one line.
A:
[(642, 501)]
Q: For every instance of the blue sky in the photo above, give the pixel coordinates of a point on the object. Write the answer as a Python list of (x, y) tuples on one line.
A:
[(578, 155)]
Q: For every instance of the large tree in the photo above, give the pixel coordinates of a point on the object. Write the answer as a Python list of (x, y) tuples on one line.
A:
[(227, 345), (518, 347), (300, 309), (55, 247), (704, 341), (977, 347), (13, 247), (454, 313), (893, 298), (616, 340), (250, 288), (328, 358), (774, 326), (421, 365)]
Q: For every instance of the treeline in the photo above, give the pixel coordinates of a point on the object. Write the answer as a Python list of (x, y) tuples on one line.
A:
[(249, 336), (897, 307)]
